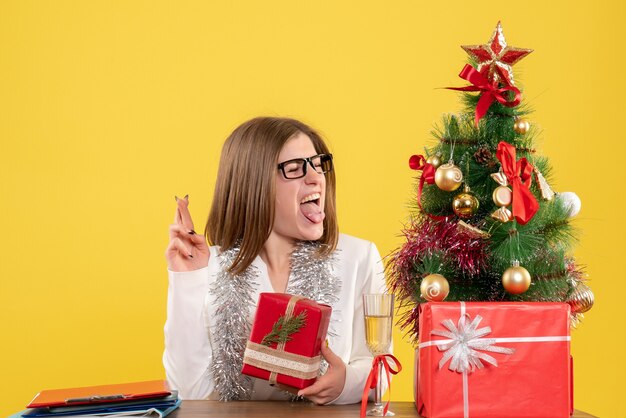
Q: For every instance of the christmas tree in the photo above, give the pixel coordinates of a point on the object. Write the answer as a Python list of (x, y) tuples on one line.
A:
[(486, 225)]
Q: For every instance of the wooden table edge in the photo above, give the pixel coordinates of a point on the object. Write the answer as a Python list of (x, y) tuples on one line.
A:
[(210, 409)]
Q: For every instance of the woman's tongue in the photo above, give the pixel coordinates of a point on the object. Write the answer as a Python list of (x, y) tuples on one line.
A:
[(312, 212)]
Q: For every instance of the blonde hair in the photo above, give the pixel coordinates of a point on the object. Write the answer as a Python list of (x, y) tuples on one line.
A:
[(244, 199)]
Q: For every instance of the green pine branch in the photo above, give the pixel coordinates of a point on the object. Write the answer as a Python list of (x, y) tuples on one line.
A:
[(282, 330)]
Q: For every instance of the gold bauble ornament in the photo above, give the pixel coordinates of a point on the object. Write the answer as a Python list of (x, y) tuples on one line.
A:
[(581, 300), (434, 288), (448, 177), (521, 126), (502, 196), (516, 279), (465, 204), (434, 160)]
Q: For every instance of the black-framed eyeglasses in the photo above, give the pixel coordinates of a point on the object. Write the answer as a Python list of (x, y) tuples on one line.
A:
[(296, 168)]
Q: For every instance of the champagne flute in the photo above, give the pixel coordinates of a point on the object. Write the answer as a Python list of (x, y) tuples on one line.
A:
[(378, 310)]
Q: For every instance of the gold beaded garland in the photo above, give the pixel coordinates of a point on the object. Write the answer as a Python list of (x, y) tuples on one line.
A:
[(434, 287)]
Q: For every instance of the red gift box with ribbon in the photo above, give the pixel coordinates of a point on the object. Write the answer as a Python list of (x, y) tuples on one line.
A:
[(286, 340), (494, 359)]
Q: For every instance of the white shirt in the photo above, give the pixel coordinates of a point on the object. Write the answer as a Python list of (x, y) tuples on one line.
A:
[(188, 354)]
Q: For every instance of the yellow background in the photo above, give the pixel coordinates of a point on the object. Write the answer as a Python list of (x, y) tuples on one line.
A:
[(110, 108)]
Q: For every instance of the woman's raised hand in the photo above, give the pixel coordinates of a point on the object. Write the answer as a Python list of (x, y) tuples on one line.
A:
[(187, 250)]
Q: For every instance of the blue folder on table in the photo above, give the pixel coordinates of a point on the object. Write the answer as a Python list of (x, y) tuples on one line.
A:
[(161, 407)]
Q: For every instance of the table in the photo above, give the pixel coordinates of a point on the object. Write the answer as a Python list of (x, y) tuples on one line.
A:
[(282, 409)]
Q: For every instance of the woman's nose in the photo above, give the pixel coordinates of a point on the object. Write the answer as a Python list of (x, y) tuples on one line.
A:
[(312, 175)]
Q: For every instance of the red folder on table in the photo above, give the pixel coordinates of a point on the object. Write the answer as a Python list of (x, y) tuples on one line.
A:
[(100, 394)]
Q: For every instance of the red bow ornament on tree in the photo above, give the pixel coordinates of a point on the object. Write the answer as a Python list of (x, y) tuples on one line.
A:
[(519, 174), (418, 162), (490, 91)]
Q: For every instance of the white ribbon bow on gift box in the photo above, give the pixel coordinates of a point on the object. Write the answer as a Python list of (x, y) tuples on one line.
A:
[(465, 342)]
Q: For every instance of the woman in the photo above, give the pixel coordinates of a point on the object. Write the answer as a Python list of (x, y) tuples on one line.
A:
[(273, 228)]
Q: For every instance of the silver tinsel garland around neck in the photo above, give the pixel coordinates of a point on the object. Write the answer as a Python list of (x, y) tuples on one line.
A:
[(311, 276), (233, 295)]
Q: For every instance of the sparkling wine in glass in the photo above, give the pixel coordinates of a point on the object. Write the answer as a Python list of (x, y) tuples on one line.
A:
[(378, 309)]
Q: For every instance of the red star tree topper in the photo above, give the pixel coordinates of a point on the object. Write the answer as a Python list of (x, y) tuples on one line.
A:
[(495, 58)]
